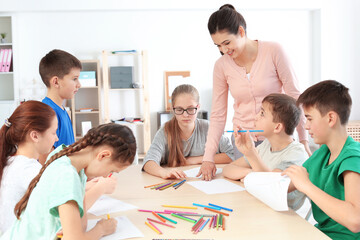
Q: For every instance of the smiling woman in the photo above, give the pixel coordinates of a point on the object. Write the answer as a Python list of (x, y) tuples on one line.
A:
[(250, 69)]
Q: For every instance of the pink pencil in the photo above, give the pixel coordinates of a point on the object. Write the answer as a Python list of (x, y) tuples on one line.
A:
[(172, 211), (150, 219), (144, 210), (155, 227)]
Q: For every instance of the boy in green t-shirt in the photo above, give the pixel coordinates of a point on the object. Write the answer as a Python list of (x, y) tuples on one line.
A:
[(331, 176)]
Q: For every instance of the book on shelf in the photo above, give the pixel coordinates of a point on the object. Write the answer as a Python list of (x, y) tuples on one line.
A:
[(5, 59), (127, 120)]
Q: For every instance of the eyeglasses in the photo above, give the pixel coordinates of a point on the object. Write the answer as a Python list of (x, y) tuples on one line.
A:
[(180, 111)]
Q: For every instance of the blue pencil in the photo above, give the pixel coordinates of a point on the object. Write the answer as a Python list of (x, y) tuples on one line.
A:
[(213, 207), (228, 209), (242, 131), (179, 183)]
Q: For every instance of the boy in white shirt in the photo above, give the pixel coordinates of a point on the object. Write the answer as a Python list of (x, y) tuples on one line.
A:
[(278, 118)]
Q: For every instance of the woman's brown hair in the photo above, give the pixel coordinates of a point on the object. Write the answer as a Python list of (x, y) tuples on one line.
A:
[(117, 136), (173, 131), (29, 116)]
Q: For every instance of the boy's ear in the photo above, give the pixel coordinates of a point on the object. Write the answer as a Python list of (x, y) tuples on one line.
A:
[(54, 81), (332, 118), (34, 136), (104, 154), (278, 127)]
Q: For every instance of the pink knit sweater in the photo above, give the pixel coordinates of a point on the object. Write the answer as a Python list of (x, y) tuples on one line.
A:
[(270, 73)]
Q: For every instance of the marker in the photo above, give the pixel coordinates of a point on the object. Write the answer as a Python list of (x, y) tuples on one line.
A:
[(108, 216), (242, 131)]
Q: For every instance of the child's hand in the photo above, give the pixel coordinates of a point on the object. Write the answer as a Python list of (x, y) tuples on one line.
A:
[(173, 173), (107, 184), (244, 142), (299, 177), (108, 226), (91, 183)]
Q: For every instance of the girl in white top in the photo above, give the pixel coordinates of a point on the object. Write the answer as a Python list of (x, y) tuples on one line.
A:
[(29, 132)]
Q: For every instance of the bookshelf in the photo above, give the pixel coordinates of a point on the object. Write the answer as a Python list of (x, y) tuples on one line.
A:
[(86, 104), (7, 93), (126, 102)]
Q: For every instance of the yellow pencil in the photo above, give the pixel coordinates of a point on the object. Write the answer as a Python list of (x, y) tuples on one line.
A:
[(108, 216), (152, 227), (172, 206)]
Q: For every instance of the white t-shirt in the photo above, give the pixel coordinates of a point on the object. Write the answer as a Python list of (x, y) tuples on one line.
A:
[(293, 154), (17, 176)]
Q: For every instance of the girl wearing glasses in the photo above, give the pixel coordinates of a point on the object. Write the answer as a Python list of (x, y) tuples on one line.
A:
[(181, 141)]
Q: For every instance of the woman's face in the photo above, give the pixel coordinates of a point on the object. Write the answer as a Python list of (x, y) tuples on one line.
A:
[(230, 44), (182, 102)]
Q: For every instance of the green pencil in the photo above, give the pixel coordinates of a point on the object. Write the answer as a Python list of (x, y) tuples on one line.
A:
[(167, 218), (183, 218)]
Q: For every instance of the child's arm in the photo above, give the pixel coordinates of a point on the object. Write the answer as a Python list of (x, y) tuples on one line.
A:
[(346, 213), (153, 168), (102, 186), (245, 144), (219, 158), (237, 169), (72, 226)]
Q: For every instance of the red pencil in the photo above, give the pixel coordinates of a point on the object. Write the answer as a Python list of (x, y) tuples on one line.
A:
[(110, 175), (212, 219)]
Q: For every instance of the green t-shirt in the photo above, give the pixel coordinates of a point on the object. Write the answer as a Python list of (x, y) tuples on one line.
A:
[(329, 178), (59, 184)]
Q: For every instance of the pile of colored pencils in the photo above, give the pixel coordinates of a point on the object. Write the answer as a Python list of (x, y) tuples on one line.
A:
[(166, 185)]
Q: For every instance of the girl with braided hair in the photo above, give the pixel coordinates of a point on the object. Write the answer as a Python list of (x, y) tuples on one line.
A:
[(55, 197)]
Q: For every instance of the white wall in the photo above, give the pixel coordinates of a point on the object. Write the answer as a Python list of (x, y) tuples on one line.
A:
[(175, 35)]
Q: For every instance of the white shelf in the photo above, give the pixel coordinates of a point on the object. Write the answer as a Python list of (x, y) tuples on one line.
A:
[(5, 44)]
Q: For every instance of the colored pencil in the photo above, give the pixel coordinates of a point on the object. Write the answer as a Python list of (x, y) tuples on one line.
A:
[(223, 224), (226, 214), (196, 214), (227, 209), (196, 230), (170, 220), (215, 219), (173, 206), (155, 184), (217, 222), (221, 219), (155, 227), (165, 224), (163, 188), (179, 185), (200, 205), (180, 182), (159, 217), (242, 131), (150, 226), (183, 218), (194, 226), (212, 219), (144, 210), (110, 175), (163, 185), (202, 227), (180, 212), (108, 216)]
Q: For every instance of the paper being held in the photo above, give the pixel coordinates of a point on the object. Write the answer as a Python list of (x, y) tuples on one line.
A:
[(269, 187)]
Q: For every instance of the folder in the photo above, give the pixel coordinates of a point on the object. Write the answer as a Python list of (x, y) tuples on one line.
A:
[(8, 62), (2, 53)]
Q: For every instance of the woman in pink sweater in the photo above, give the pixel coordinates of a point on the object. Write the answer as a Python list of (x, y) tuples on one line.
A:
[(250, 69)]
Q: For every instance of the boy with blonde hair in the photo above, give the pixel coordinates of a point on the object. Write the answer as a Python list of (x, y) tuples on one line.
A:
[(60, 72), (331, 176), (278, 118)]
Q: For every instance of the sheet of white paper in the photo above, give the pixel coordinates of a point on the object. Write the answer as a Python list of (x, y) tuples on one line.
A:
[(269, 187), (106, 204), (216, 186), (194, 171), (125, 229)]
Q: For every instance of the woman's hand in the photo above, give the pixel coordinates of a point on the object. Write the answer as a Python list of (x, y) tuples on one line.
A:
[(207, 170)]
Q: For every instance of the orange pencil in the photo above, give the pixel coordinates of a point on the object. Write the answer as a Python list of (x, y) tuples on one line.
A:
[(226, 214), (155, 184), (223, 223), (161, 219)]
